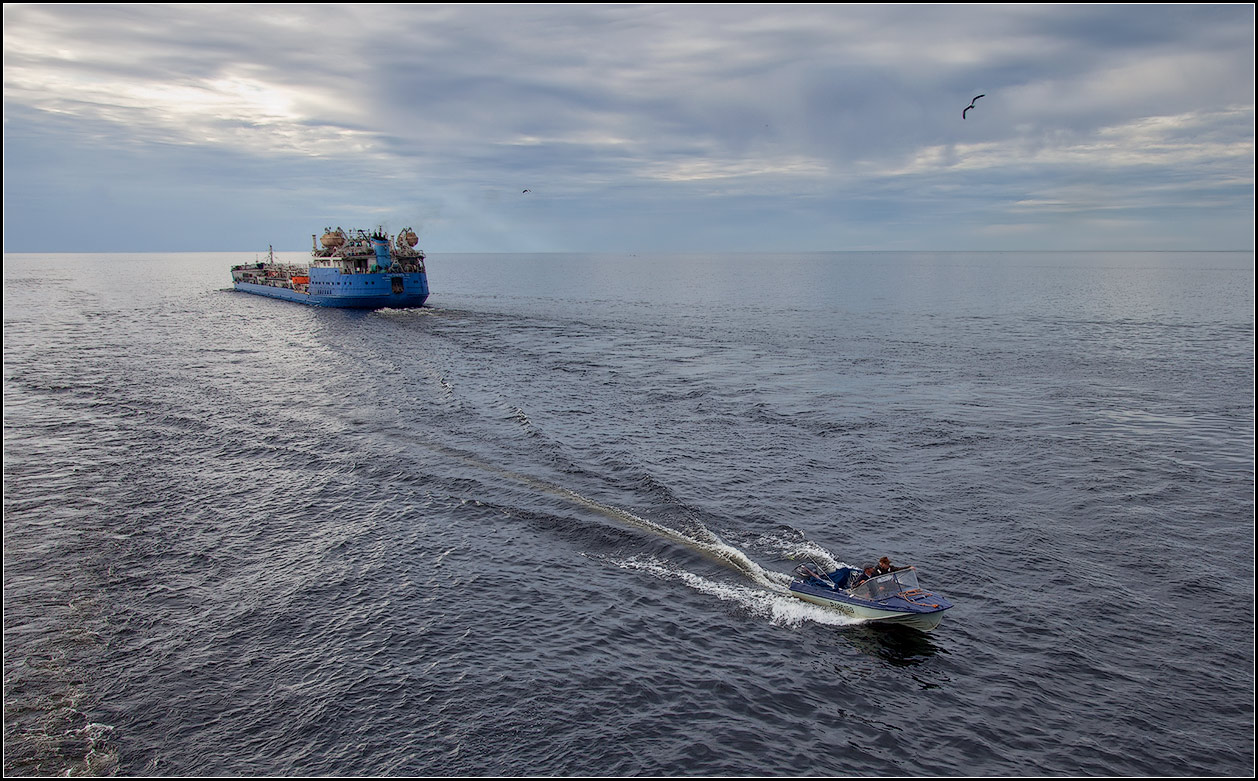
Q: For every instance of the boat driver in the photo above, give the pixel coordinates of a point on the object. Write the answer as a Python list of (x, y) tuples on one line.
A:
[(884, 566), (870, 571)]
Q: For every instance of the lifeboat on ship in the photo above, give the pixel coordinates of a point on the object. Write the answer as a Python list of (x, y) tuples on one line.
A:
[(333, 239)]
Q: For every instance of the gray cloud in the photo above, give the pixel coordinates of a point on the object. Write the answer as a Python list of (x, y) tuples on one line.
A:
[(655, 127)]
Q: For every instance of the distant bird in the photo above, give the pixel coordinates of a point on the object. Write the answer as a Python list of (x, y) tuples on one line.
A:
[(967, 108), (526, 191)]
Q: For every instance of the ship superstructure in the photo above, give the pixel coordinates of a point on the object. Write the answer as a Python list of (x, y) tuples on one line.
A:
[(347, 269)]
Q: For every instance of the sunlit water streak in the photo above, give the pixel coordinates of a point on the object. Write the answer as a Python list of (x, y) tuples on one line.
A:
[(545, 525)]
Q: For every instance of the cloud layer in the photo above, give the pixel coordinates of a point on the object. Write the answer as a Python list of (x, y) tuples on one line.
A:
[(144, 127)]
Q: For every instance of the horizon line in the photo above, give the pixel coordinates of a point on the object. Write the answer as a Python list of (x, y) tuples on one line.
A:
[(628, 252)]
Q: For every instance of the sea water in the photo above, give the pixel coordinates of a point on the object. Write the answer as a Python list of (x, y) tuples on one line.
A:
[(544, 525)]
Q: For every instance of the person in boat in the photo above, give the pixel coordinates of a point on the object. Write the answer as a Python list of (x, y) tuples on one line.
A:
[(869, 571), (884, 566)]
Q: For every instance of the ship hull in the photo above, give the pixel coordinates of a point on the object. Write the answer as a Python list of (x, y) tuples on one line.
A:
[(414, 293)]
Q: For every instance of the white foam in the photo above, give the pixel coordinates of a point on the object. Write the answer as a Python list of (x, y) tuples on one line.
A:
[(776, 605), (776, 602), (712, 547)]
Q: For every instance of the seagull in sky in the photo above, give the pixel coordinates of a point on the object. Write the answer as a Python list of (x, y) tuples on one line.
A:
[(967, 108), (526, 191)]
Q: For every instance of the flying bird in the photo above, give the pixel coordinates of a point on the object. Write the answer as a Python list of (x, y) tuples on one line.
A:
[(526, 191), (967, 108)]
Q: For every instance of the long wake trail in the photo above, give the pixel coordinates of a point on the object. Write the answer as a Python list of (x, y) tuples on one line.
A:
[(772, 597)]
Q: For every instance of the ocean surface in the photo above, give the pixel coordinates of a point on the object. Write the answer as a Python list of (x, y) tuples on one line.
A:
[(544, 525)]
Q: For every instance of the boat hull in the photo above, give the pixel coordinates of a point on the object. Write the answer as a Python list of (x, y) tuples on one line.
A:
[(352, 300), (892, 611)]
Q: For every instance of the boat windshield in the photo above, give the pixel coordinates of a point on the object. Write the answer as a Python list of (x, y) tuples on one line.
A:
[(887, 585)]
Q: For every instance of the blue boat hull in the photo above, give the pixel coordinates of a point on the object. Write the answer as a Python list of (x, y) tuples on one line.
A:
[(893, 610), (892, 597), (415, 293)]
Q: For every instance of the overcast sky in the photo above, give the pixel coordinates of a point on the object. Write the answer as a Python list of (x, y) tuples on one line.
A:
[(634, 127)]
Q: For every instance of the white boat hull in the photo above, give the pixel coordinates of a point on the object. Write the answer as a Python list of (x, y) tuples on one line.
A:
[(921, 621), (892, 597)]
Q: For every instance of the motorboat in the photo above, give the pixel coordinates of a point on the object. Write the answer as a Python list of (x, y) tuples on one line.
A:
[(894, 597)]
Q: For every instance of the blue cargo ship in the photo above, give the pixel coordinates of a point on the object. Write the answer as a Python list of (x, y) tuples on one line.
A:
[(352, 269)]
